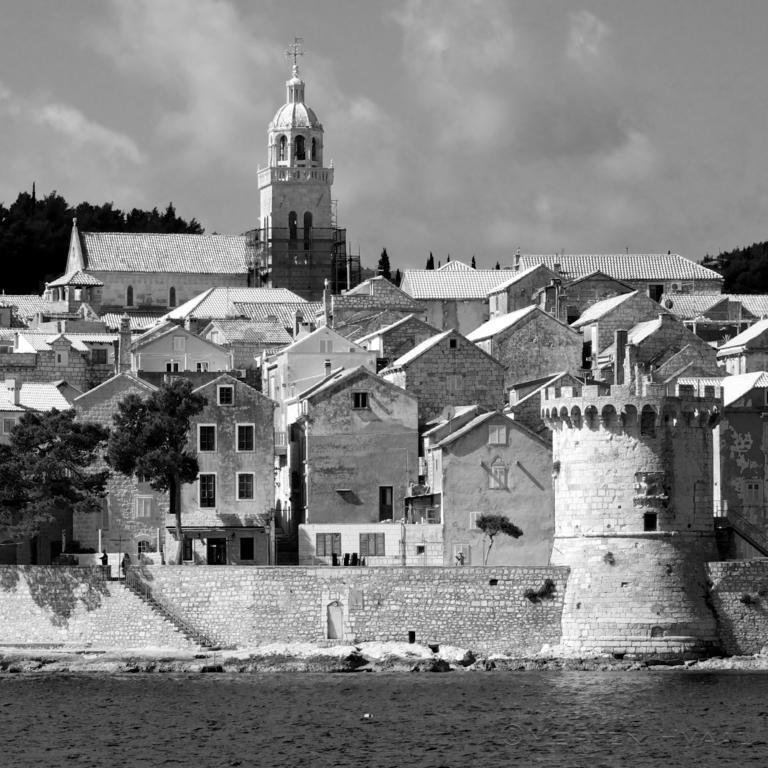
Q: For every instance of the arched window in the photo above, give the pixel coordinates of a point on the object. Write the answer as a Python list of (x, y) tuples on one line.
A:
[(171, 297), (281, 146), (144, 547), (648, 422), (307, 229), (129, 296), (292, 225), (299, 150), (314, 150)]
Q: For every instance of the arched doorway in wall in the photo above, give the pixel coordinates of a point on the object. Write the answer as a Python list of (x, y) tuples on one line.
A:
[(334, 620)]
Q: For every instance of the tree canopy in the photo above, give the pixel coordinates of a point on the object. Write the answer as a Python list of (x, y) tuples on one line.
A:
[(744, 270), (36, 232), (430, 261), (47, 468), (493, 525), (150, 438), (384, 268)]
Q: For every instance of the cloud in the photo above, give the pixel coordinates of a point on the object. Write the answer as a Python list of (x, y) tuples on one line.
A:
[(586, 38), (634, 161)]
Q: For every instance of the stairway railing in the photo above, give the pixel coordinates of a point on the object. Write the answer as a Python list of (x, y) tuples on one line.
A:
[(141, 589), (748, 531)]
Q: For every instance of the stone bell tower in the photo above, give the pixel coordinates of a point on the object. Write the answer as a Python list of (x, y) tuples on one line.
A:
[(298, 245), (633, 516)]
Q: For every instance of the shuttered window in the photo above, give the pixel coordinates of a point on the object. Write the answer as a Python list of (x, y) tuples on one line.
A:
[(371, 544)]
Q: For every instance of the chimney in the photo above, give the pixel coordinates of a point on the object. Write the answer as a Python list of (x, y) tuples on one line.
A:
[(557, 267), (327, 367), (298, 321), (124, 345), (14, 387), (327, 304), (517, 259), (620, 342)]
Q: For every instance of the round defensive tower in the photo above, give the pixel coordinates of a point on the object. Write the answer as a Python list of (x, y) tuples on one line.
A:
[(633, 517)]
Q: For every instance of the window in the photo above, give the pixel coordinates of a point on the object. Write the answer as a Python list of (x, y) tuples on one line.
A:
[(326, 346), (293, 225), (144, 547), (649, 521), (99, 356), (142, 478), (386, 508), (129, 296), (371, 545), (497, 434), (186, 553), (281, 148), (226, 395), (299, 150), (327, 544), (473, 520), (245, 433), (207, 489), (179, 343), (172, 366), (62, 358), (452, 343), (201, 367), (314, 150), (206, 437), (171, 297), (246, 548), (359, 400), (245, 485), (8, 426), (143, 506), (307, 230), (497, 480)]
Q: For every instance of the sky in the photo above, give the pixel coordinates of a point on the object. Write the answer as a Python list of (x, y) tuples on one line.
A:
[(458, 127)]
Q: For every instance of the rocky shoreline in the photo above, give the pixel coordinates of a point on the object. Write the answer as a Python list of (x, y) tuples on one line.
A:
[(302, 657)]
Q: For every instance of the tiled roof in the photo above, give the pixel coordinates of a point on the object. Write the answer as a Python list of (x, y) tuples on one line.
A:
[(391, 327), (624, 266), (242, 330), (129, 252), (451, 266), (519, 276), (42, 396), (743, 338), (502, 323), (756, 303), (28, 305), (635, 335), (601, 308), (138, 322), (281, 313), (691, 305), (454, 283), (418, 350), (77, 278), (222, 302), (737, 386), (33, 341)]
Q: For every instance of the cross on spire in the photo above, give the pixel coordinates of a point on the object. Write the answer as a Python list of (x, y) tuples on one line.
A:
[(295, 49)]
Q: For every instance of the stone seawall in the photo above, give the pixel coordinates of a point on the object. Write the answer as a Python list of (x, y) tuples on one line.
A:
[(739, 595), (248, 607)]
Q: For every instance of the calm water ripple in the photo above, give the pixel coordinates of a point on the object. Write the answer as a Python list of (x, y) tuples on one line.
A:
[(553, 719)]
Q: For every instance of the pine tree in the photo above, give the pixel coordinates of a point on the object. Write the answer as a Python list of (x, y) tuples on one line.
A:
[(498, 266), (384, 269), (398, 278), (430, 261), (474, 265)]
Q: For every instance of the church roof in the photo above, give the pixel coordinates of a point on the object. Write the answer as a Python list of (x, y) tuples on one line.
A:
[(624, 266), (294, 115), (175, 253), (77, 279)]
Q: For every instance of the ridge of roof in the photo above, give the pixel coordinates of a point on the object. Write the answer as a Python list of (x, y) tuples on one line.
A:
[(601, 308)]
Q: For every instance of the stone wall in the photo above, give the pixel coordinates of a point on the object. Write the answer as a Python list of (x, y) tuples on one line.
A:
[(41, 366), (452, 606), (76, 606), (739, 596)]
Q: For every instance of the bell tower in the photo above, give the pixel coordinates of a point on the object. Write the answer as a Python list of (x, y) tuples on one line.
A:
[(298, 245)]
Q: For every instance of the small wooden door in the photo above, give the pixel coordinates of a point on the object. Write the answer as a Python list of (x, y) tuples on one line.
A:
[(335, 620)]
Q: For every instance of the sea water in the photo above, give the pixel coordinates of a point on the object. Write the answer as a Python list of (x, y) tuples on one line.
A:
[(569, 719)]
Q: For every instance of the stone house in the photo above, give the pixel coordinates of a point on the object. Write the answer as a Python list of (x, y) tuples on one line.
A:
[(356, 453), (247, 340), (529, 343), (747, 351), (170, 348), (394, 340), (599, 322), (480, 462), (227, 513), (134, 515), (448, 370), (569, 300), (653, 274), (740, 459), (82, 359), (455, 295), (519, 290), (652, 345), (715, 318), (373, 304), (526, 401)]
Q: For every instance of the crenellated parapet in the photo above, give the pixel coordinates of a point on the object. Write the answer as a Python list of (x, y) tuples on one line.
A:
[(639, 410)]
